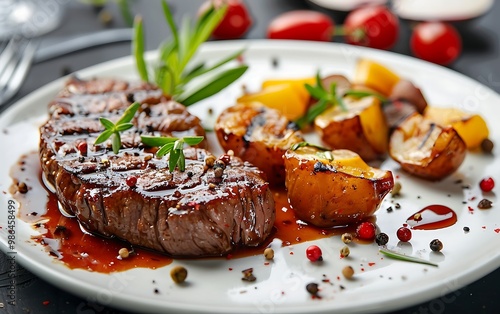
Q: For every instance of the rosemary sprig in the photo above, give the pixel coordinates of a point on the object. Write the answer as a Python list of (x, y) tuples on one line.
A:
[(173, 146), (406, 258), (326, 99), (114, 129), (174, 70)]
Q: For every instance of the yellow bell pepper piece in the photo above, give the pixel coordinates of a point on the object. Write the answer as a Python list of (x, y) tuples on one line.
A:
[(376, 76), (283, 97), (471, 127), (297, 84)]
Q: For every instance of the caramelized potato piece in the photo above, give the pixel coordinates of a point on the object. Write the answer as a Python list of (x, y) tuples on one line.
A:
[(471, 127), (426, 149), (259, 135), (332, 188), (362, 129)]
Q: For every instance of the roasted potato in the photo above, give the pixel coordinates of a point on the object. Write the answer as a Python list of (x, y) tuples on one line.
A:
[(259, 135), (362, 128), (471, 127), (425, 149), (333, 188)]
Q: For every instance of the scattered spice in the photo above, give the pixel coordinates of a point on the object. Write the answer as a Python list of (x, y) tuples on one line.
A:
[(436, 245), (124, 253), (389, 209), (487, 146), (314, 254), (404, 234), (344, 252), (487, 184), (210, 160), (417, 217), (381, 238), (248, 275), (348, 272), (178, 274), (484, 204), (396, 190), (466, 229), (22, 188), (346, 238), (398, 206), (269, 253), (313, 289)]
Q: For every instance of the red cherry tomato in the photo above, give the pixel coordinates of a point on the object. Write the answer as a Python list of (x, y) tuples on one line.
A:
[(301, 25), (372, 26), (436, 42), (235, 23)]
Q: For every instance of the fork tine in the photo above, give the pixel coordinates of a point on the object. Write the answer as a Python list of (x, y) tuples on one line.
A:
[(7, 54), (16, 67)]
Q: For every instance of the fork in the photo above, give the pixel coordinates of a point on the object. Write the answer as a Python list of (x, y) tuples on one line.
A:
[(16, 58)]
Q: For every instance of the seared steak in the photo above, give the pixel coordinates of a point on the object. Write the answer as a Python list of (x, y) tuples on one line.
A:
[(133, 195)]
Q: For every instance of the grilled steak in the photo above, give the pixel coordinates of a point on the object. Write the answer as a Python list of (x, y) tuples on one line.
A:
[(133, 195)]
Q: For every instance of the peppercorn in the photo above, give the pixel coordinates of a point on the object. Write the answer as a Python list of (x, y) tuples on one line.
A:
[(178, 274), (313, 289), (269, 253), (348, 272), (344, 252), (218, 172), (484, 204), (22, 187), (346, 238), (381, 238), (466, 229), (210, 160), (487, 146), (124, 253), (436, 245)]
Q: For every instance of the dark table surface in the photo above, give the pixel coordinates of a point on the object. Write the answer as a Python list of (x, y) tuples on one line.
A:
[(480, 60)]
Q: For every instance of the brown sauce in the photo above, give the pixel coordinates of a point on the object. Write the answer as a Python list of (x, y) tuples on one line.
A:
[(432, 217)]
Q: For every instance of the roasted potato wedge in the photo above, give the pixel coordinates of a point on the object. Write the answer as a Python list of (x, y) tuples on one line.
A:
[(259, 135), (333, 188), (362, 128), (425, 149), (471, 127)]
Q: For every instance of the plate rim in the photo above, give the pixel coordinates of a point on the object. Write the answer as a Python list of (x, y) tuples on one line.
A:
[(482, 267)]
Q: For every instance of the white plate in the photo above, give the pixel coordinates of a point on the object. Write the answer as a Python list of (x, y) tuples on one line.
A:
[(443, 10), (280, 286)]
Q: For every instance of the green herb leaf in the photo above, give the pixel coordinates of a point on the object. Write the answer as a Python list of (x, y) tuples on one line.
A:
[(117, 143), (193, 140), (361, 94), (407, 258), (173, 146), (311, 114), (129, 113), (125, 12), (165, 149), (103, 136), (138, 49), (171, 72), (220, 82), (108, 124), (304, 144), (157, 141), (115, 128)]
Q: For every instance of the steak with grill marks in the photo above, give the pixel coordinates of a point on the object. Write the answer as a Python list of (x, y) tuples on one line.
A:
[(133, 195)]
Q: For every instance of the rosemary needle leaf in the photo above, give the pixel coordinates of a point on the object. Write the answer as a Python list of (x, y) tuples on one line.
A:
[(108, 124), (157, 141), (179, 145), (103, 136), (217, 84), (193, 140), (174, 157), (117, 143), (129, 113), (407, 258), (123, 126), (182, 161), (165, 149), (138, 49)]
